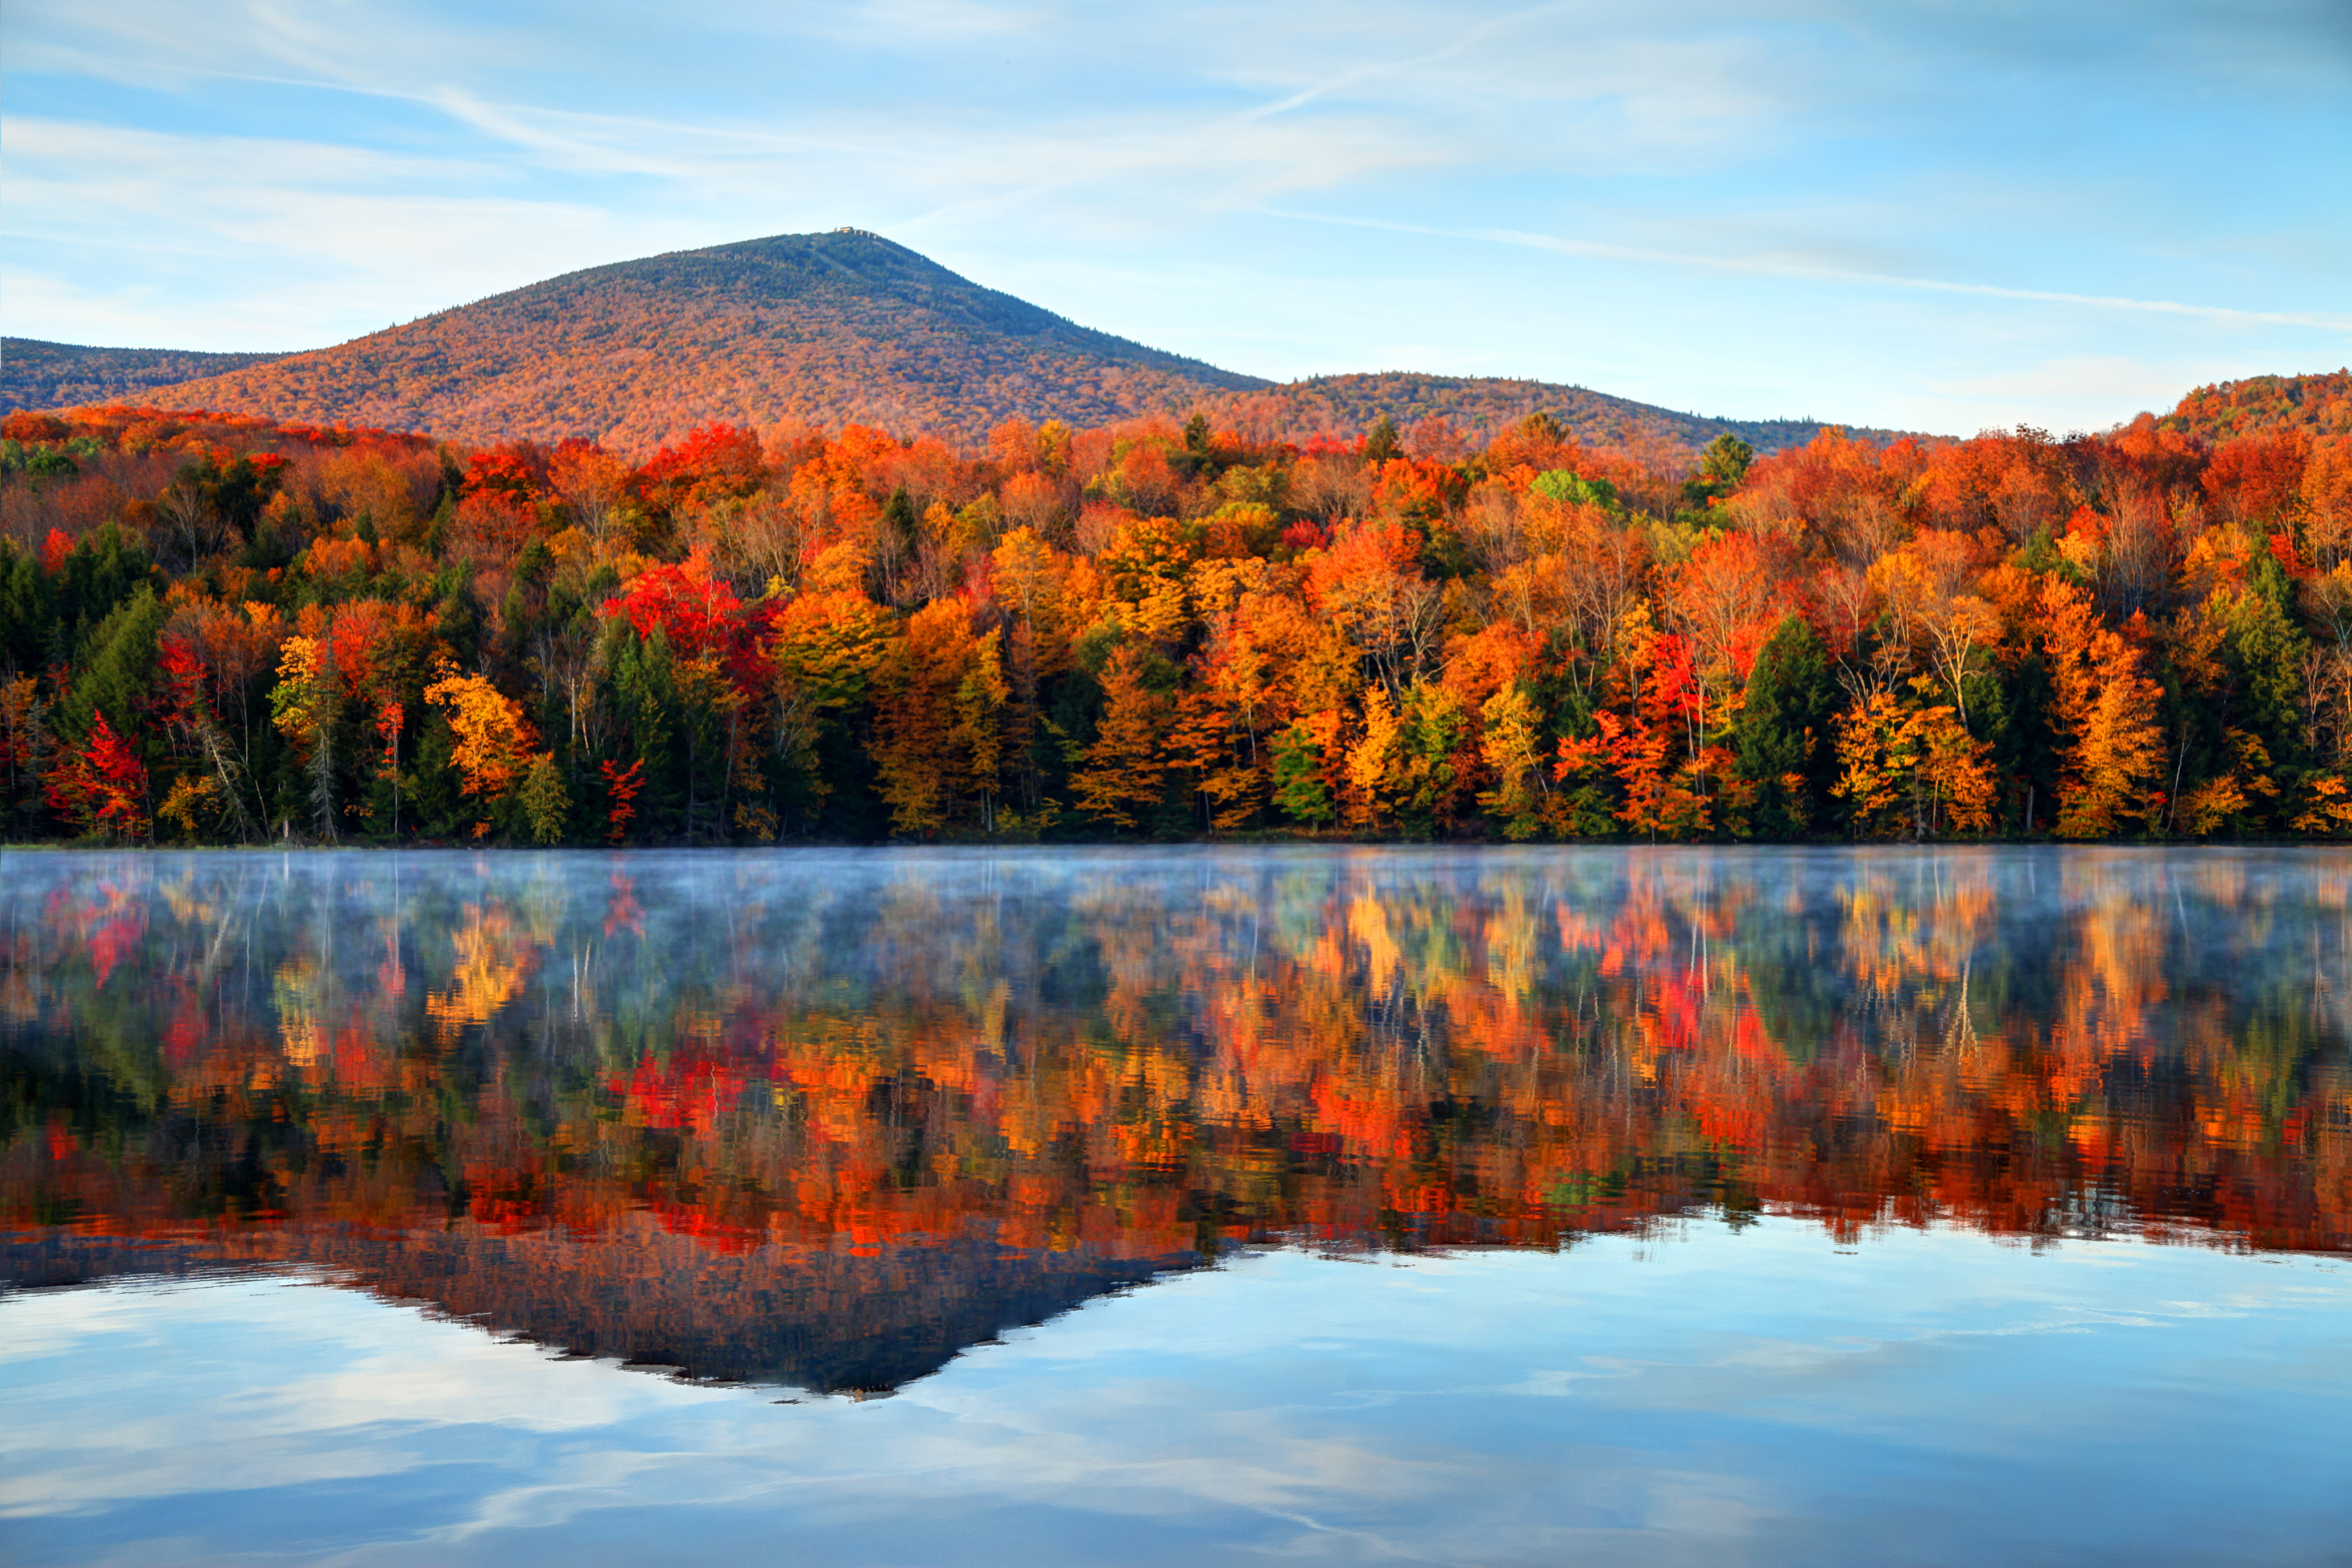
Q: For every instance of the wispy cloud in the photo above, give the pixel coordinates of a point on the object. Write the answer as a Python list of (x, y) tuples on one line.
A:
[(1768, 268)]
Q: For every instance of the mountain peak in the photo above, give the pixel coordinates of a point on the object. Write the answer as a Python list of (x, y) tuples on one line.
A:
[(826, 328), (798, 267), (837, 327)]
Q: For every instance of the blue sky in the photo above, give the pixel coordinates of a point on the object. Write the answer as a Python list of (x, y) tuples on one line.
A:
[(1941, 216)]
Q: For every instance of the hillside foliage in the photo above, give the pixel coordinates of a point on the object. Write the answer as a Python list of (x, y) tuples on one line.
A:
[(38, 374), (1482, 408), (2317, 406), (826, 330), (223, 628)]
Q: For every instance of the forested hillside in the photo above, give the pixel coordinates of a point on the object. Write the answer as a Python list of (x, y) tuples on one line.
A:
[(2318, 406), (1480, 407), (38, 375), (222, 629), (828, 330), (824, 329)]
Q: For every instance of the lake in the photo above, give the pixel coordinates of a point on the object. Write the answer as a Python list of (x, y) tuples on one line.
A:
[(1592, 1205)]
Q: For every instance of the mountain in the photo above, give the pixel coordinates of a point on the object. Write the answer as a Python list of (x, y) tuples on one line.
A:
[(831, 1320), (824, 329), (38, 375), (2316, 404)]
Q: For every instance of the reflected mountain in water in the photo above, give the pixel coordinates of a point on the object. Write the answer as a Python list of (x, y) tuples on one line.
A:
[(823, 1119), (857, 1322)]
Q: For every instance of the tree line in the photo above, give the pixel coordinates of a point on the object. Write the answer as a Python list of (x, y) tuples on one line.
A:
[(218, 629)]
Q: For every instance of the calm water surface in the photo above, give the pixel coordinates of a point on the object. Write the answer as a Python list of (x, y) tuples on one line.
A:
[(1589, 1206)]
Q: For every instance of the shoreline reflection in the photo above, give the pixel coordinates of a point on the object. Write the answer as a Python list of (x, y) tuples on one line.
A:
[(823, 1119)]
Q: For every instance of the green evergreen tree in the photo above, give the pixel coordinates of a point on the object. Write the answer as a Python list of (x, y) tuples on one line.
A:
[(546, 804), (1722, 465), (1299, 787), (2266, 650), (434, 802), (1783, 731), (903, 528), (28, 610), (116, 674), (2014, 716), (644, 685), (98, 574)]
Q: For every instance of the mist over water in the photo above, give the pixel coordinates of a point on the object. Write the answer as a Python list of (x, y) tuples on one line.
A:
[(824, 1126)]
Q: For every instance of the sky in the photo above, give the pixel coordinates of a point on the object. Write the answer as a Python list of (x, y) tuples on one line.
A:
[(1934, 215)]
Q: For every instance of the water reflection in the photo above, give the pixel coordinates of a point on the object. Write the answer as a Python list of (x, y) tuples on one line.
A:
[(826, 1119)]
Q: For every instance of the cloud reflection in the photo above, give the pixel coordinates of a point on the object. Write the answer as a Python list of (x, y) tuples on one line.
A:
[(1193, 1422)]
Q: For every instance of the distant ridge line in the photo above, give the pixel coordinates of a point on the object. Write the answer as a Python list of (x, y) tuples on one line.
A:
[(828, 329)]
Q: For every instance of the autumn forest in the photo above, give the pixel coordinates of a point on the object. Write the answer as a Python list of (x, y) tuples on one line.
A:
[(220, 628)]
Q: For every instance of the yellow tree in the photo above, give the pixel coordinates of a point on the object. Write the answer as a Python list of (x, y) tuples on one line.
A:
[(1511, 744), (303, 705), (1375, 761), (2229, 794), (979, 736), (1911, 767), (921, 723), (1030, 579), (2111, 762), (1030, 576), (1927, 589), (495, 740), (1435, 755), (825, 649), (1125, 772)]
